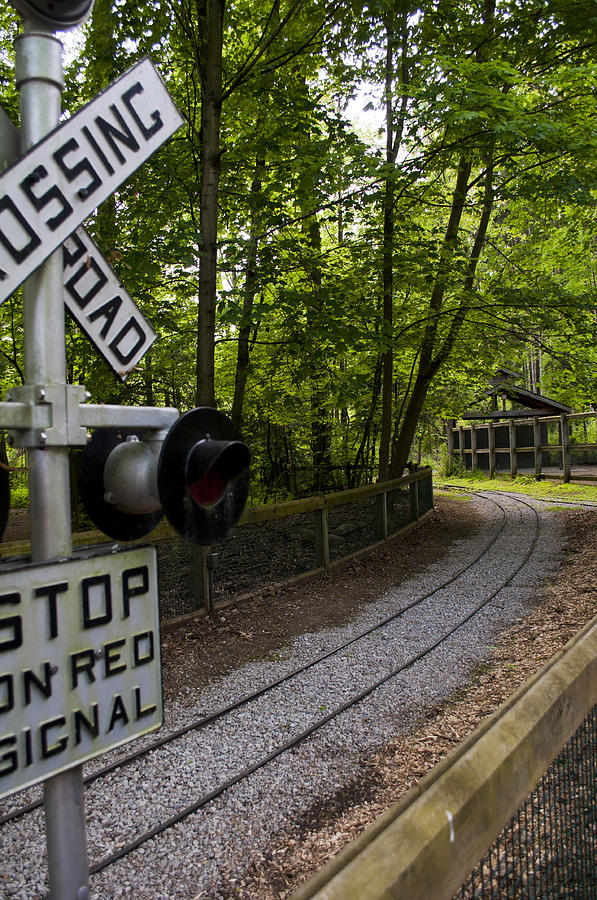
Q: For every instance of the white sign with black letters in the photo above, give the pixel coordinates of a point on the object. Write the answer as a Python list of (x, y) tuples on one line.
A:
[(102, 307), (79, 661), (50, 191), (94, 295)]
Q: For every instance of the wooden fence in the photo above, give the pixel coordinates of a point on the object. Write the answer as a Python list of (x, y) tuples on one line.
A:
[(196, 579), (426, 845), (552, 446)]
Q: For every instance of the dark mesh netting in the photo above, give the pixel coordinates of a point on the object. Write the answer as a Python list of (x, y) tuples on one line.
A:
[(174, 578), (549, 848), (502, 462), (351, 527), (502, 437), (399, 512), (482, 435), (255, 555)]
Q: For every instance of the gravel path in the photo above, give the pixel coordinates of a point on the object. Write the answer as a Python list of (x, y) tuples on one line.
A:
[(215, 846)]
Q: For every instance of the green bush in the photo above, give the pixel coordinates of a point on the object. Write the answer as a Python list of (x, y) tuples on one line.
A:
[(19, 497)]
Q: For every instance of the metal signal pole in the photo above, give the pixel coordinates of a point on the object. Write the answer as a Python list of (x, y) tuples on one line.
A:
[(40, 82)]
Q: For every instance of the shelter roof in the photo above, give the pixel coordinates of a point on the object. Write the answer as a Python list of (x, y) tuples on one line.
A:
[(527, 403)]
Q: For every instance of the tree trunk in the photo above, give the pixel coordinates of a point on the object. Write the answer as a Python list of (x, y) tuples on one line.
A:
[(211, 25), (362, 453), (429, 364), (388, 356), (320, 415), (393, 140), (242, 358)]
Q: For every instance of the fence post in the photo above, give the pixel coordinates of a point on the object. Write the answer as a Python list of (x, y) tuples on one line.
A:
[(491, 443), (537, 445), (513, 457), (414, 501), (322, 544), (461, 446), (202, 577), (381, 516), (565, 447)]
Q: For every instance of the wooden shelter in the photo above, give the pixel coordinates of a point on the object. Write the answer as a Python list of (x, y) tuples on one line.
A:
[(516, 430)]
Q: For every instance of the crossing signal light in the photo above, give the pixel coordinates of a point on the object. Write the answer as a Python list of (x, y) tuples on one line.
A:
[(58, 14), (198, 475)]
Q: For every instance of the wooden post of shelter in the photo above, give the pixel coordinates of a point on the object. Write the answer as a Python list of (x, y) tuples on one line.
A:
[(450, 441), (565, 448), (512, 441), (491, 443), (461, 445), (474, 457), (537, 445)]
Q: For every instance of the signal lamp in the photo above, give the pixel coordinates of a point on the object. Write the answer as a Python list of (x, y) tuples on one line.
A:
[(58, 14), (198, 475)]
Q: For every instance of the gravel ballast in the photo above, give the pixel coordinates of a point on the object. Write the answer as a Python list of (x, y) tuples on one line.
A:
[(208, 853)]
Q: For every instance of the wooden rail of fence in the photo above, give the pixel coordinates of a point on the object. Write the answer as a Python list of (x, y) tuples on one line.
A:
[(426, 845)]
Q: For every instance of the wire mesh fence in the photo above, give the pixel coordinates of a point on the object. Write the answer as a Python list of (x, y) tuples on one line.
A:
[(549, 847), (175, 577), (351, 527), (262, 553), (272, 550), (273, 544), (399, 506)]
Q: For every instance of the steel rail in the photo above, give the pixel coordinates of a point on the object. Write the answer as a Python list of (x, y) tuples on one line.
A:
[(207, 798), (198, 724)]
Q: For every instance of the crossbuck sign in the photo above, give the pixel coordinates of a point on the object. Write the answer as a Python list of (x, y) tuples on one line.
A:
[(62, 179), (94, 295)]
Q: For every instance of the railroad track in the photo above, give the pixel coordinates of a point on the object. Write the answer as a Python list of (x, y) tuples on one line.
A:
[(240, 742), (554, 501)]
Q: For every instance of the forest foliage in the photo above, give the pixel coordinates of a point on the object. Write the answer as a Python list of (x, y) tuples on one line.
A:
[(340, 281)]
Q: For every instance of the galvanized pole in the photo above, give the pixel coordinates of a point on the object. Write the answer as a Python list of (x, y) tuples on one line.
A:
[(40, 82)]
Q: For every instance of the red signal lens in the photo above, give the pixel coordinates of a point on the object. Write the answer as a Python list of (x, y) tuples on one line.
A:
[(209, 489), (212, 466)]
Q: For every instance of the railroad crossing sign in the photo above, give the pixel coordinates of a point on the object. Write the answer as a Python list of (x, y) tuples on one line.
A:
[(94, 294), (73, 655), (79, 661), (51, 190)]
